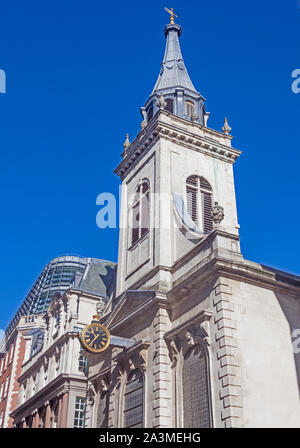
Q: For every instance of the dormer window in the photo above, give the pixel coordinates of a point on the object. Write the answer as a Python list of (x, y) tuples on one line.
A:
[(189, 108)]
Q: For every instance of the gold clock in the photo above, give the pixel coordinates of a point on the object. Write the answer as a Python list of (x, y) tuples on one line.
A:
[(95, 338)]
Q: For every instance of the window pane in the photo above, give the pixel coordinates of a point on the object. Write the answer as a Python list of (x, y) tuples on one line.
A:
[(192, 203), (133, 401), (195, 390)]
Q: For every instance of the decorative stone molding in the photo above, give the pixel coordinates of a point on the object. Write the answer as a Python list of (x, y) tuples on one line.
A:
[(100, 307), (207, 141), (117, 372), (161, 102), (193, 332), (205, 329), (91, 392), (134, 357), (195, 117), (217, 213), (226, 128), (143, 124), (173, 352), (57, 350), (145, 119), (104, 384)]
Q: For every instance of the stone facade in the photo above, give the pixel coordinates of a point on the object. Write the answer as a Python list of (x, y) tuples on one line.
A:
[(13, 353), (53, 379), (210, 334), (241, 315), (212, 331)]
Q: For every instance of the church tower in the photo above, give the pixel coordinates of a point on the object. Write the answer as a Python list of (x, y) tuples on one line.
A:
[(173, 173), (203, 336)]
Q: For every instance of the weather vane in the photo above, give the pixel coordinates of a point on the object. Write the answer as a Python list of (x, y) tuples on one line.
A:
[(170, 11)]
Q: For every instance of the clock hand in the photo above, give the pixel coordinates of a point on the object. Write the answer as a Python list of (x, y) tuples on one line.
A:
[(94, 340)]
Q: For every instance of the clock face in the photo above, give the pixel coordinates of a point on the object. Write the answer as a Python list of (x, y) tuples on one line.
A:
[(95, 338)]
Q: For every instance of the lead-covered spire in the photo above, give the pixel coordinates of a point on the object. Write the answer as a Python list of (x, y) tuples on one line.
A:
[(174, 87), (173, 72)]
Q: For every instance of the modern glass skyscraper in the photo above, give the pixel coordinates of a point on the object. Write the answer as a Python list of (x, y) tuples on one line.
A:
[(57, 276)]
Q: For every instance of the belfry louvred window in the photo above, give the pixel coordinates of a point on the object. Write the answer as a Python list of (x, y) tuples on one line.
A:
[(170, 105), (199, 202), (140, 213)]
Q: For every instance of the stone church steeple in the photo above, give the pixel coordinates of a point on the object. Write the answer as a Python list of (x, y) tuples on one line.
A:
[(176, 177), (208, 326), (174, 84)]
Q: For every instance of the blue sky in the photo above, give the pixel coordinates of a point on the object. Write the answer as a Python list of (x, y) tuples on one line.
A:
[(77, 74)]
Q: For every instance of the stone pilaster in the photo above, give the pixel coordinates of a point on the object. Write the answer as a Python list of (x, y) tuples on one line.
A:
[(162, 374), (64, 410), (48, 415), (228, 356)]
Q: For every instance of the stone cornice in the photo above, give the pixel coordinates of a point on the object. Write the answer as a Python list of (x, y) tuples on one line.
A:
[(226, 263), (179, 130), (219, 263), (57, 386)]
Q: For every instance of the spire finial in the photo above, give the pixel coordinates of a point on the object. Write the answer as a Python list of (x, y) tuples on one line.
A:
[(226, 128), (126, 144), (172, 15)]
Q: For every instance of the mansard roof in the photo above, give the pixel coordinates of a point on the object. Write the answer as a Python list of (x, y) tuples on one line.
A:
[(99, 278)]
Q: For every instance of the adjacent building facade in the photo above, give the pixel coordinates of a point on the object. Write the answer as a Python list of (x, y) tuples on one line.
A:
[(53, 379), (55, 277), (14, 350)]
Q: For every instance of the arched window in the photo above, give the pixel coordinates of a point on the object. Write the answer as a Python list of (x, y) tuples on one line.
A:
[(199, 202), (134, 400), (140, 212), (189, 108), (196, 404)]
